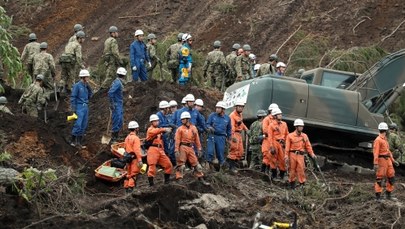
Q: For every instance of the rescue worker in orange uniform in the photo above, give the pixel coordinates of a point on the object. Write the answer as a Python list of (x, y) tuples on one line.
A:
[(236, 145), (133, 147), (383, 161), (186, 139), (265, 144), (156, 153), (277, 134), (296, 146)]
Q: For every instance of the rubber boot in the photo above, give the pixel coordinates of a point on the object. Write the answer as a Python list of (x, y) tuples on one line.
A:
[(378, 196), (129, 190), (151, 183), (292, 185), (263, 168), (114, 137), (167, 178), (232, 166), (273, 174), (80, 142), (282, 174), (73, 141)]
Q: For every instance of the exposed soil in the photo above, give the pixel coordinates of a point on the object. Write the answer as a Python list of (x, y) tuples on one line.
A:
[(230, 201)]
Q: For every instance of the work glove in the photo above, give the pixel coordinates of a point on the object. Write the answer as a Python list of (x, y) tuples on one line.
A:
[(375, 168), (234, 140), (134, 68), (149, 65), (211, 130), (272, 150), (140, 164), (199, 153), (396, 163), (177, 154), (168, 130)]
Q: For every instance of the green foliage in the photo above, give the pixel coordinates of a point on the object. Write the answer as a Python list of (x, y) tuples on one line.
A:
[(9, 55), (5, 157), (34, 180), (225, 7)]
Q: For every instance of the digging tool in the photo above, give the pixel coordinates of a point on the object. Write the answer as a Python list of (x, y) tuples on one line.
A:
[(45, 114), (258, 225), (225, 76), (160, 71), (244, 161), (315, 163), (56, 96), (106, 138)]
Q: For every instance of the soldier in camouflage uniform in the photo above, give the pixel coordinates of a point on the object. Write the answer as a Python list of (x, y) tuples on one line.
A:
[(1, 71), (3, 108), (231, 61), (33, 98), (71, 62), (111, 55), (76, 29), (268, 68), (395, 143), (243, 68), (172, 57), (255, 140), (215, 66), (28, 53), (44, 64), (154, 59)]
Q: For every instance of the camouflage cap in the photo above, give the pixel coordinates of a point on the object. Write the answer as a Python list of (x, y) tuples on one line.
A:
[(246, 47), (32, 37), (77, 27), (43, 45), (151, 36), (113, 29), (3, 100), (236, 46), (180, 36), (217, 44), (80, 34), (261, 113), (393, 126)]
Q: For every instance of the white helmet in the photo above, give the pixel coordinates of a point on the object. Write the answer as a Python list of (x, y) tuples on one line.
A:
[(280, 64), (239, 102), (199, 102), (84, 73), (256, 67), (153, 118), (272, 106), (172, 103), (252, 56), (121, 71), (138, 32), (276, 111), (184, 115), (221, 104), (186, 36), (163, 104), (382, 126), (298, 122), (133, 125), (183, 100), (189, 98)]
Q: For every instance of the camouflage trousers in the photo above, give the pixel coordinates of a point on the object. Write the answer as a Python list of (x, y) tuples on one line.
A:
[(216, 79), (30, 110), (174, 72), (69, 73), (257, 157), (110, 75)]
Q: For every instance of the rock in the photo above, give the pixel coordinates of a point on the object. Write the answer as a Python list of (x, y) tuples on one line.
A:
[(8, 176)]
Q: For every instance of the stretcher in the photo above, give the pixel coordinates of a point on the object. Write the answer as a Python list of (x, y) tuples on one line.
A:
[(108, 173), (118, 149)]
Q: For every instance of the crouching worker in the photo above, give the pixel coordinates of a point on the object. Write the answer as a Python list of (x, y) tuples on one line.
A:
[(187, 138), (297, 145), (156, 153), (133, 148)]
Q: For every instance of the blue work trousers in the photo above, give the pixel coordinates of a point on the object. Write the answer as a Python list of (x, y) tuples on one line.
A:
[(117, 117), (80, 126), (216, 144)]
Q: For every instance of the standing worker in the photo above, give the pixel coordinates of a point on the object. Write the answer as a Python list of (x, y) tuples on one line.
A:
[(255, 141), (242, 66), (236, 146), (231, 62), (156, 153), (215, 67), (28, 53), (220, 130), (76, 28), (139, 55), (79, 102), (44, 64), (133, 147), (33, 98), (111, 56), (383, 161), (186, 60), (395, 142), (164, 122), (280, 69), (268, 68), (154, 59), (117, 103), (187, 138), (71, 61), (265, 144), (172, 57), (296, 146)]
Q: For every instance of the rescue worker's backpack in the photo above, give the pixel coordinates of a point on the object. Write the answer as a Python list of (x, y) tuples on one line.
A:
[(148, 143)]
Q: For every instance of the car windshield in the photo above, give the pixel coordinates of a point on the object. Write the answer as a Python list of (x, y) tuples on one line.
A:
[(336, 80)]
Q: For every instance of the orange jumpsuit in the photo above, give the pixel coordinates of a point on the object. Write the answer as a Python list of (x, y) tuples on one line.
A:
[(132, 145), (265, 144), (236, 147), (156, 153), (296, 146), (277, 134), (384, 159), (185, 140)]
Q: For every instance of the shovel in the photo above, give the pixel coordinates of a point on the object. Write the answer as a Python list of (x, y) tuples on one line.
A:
[(106, 138), (245, 162)]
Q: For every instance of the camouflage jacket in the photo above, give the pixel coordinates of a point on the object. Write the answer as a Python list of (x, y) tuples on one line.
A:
[(243, 67), (265, 69), (395, 144), (44, 64), (29, 51), (72, 38), (152, 53), (74, 49), (215, 62), (1, 69), (254, 132), (231, 61), (33, 96), (111, 52), (5, 109), (172, 55)]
